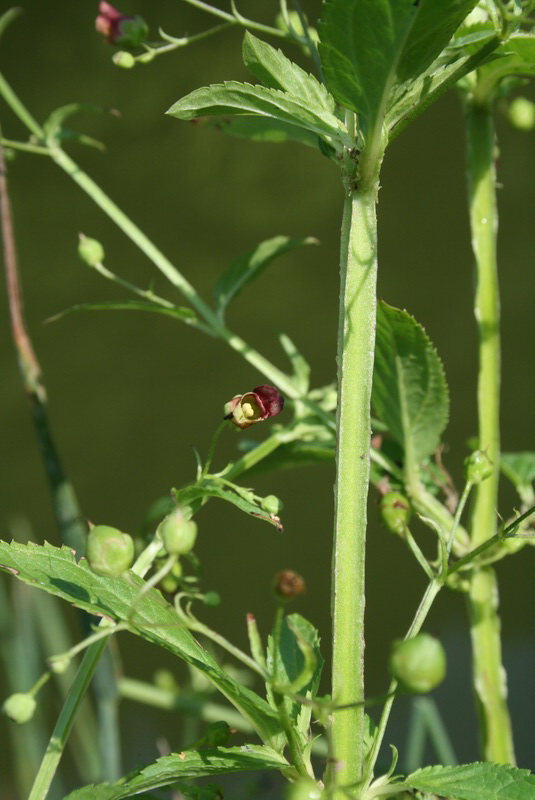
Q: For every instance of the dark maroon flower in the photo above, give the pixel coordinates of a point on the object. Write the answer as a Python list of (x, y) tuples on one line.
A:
[(246, 409), (120, 29)]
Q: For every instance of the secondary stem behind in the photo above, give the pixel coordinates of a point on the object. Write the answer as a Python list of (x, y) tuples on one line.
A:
[(489, 675)]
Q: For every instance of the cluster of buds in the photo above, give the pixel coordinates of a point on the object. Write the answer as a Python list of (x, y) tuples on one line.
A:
[(247, 409), (120, 29)]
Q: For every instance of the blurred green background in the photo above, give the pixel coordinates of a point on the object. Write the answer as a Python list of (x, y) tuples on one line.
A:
[(130, 395)]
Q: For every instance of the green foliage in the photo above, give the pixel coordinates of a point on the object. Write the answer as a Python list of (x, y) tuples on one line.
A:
[(515, 57), (301, 367), (250, 266), (168, 770), (295, 661), (55, 570), (520, 469), (264, 129), (243, 98), (242, 498), (276, 71), (177, 312), (480, 781), (369, 48), (410, 393)]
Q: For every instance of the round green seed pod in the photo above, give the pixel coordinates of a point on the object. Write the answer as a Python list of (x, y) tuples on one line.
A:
[(212, 599), (478, 467), (90, 251), (419, 664), (395, 511), (271, 504), (123, 59), (108, 551), (20, 707), (171, 582), (177, 533), (304, 789), (521, 114)]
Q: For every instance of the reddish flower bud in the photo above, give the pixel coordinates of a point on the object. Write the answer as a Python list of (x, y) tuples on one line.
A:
[(288, 584), (246, 409), (120, 29)]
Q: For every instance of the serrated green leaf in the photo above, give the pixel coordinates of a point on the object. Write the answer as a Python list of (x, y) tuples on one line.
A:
[(187, 315), (276, 71), (264, 129), (250, 266), (233, 97), (209, 488), (168, 770), (410, 393), (368, 47), (519, 468), (55, 571), (480, 781), (296, 663), (301, 367)]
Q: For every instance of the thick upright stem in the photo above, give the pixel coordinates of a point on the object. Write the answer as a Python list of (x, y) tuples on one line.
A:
[(489, 675), (356, 341)]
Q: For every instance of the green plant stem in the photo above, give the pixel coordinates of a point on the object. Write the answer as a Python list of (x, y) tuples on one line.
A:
[(282, 381), (426, 602), (356, 341), (489, 675), (236, 19), (169, 700), (63, 726)]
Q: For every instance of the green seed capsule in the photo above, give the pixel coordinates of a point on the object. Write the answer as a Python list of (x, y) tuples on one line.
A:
[(90, 251), (521, 114), (271, 504), (177, 533), (109, 552), (419, 664), (395, 512), (20, 707), (478, 467), (123, 59), (304, 789), (172, 581)]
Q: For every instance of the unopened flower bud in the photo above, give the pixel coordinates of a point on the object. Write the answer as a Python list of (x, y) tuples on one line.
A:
[(120, 29), (478, 467), (521, 114), (177, 533), (90, 251), (395, 512), (419, 664), (123, 59), (108, 551), (288, 584), (20, 707), (246, 409)]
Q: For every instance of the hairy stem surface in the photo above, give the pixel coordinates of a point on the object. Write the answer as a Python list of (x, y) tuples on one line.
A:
[(356, 340)]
